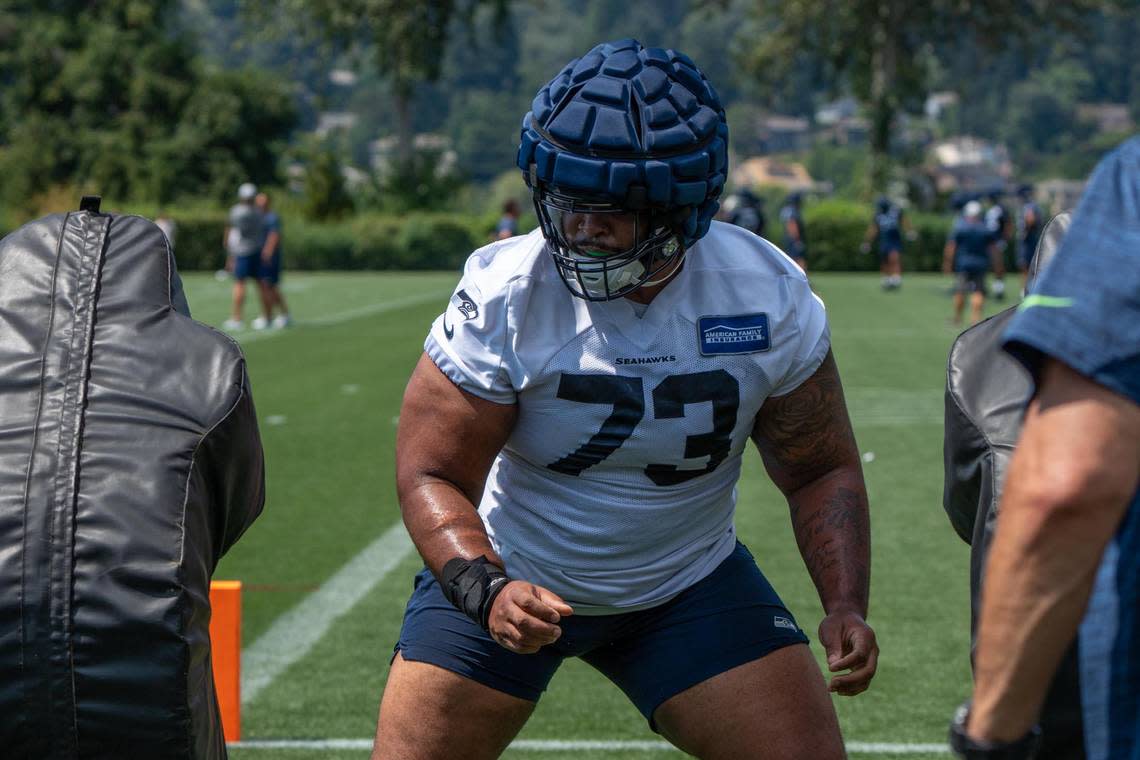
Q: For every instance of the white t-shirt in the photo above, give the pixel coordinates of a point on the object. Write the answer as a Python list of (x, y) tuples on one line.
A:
[(617, 487)]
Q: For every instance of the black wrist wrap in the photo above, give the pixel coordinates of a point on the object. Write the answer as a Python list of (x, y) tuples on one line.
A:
[(472, 585)]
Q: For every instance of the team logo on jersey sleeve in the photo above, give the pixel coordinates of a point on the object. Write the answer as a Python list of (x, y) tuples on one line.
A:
[(737, 334), (467, 306)]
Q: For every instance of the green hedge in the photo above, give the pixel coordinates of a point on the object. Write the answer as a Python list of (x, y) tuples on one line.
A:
[(836, 229), (416, 241)]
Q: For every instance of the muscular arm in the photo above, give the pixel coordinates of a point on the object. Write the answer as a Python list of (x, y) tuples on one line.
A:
[(271, 241), (809, 450), (1071, 479), (445, 445)]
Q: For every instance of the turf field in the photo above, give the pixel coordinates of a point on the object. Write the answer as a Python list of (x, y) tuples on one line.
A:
[(327, 567)]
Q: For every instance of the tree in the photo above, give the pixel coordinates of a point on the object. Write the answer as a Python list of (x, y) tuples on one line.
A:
[(109, 97), (325, 194), (407, 38), (880, 47)]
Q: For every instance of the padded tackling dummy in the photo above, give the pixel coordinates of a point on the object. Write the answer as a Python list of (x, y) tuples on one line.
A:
[(986, 394), (130, 461)]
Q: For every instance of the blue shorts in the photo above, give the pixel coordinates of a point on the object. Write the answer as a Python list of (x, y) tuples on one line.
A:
[(270, 272), (1026, 252), (246, 267), (730, 618), (970, 281), (889, 245)]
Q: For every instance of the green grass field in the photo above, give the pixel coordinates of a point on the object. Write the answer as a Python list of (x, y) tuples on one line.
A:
[(328, 393)]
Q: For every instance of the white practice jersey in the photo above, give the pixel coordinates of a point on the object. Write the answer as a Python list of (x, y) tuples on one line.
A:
[(617, 487)]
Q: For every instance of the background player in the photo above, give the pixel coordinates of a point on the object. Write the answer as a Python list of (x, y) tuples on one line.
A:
[(744, 209), (269, 269), (242, 238), (999, 223), (792, 222), (1029, 225), (888, 225), (570, 443), (968, 254)]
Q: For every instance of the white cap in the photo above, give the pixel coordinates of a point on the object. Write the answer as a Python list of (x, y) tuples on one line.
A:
[(247, 191), (973, 208)]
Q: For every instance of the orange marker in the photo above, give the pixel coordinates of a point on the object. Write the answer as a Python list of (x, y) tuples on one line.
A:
[(225, 645)]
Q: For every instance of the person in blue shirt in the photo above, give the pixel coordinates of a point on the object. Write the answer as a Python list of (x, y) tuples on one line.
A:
[(1029, 226), (888, 225), (508, 225), (269, 270), (795, 241), (1065, 559), (968, 252), (998, 223), (744, 209)]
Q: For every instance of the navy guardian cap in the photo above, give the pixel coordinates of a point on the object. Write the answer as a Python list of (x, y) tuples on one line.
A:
[(625, 129)]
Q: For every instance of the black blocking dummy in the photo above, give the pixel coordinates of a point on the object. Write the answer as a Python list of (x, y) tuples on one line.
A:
[(986, 394), (130, 461)]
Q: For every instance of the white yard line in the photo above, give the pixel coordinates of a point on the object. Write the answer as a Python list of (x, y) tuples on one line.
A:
[(296, 632), (250, 336), (558, 745)]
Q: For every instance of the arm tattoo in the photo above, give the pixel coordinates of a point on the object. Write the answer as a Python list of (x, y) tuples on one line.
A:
[(806, 433), (808, 448)]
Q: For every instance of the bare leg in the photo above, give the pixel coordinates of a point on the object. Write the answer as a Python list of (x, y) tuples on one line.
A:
[(428, 713), (977, 299), (895, 264), (266, 299), (775, 708), (238, 300), (278, 299), (959, 304)]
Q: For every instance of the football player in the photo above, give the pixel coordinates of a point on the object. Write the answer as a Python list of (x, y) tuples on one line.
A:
[(968, 253), (571, 440), (792, 221), (888, 225)]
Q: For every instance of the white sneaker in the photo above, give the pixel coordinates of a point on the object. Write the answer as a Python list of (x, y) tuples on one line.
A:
[(232, 324), (260, 323), (282, 320)]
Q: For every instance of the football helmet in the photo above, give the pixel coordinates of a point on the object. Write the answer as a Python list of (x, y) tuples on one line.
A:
[(632, 140)]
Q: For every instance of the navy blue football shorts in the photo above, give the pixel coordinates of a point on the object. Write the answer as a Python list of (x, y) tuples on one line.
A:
[(246, 267), (270, 272), (731, 617), (970, 282)]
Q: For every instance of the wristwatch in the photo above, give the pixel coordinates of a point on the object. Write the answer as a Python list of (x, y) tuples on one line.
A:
[(966, 748)]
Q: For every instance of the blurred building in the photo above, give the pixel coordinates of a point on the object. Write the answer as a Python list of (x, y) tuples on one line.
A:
[(1059, 194), (783, 134), (381, 152), (968, 164), (938, 103), (334, 121), (1106, 117), (839, 123), (766, 171)]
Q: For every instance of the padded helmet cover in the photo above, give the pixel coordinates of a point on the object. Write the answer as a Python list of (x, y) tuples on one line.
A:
[(641, 127)]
